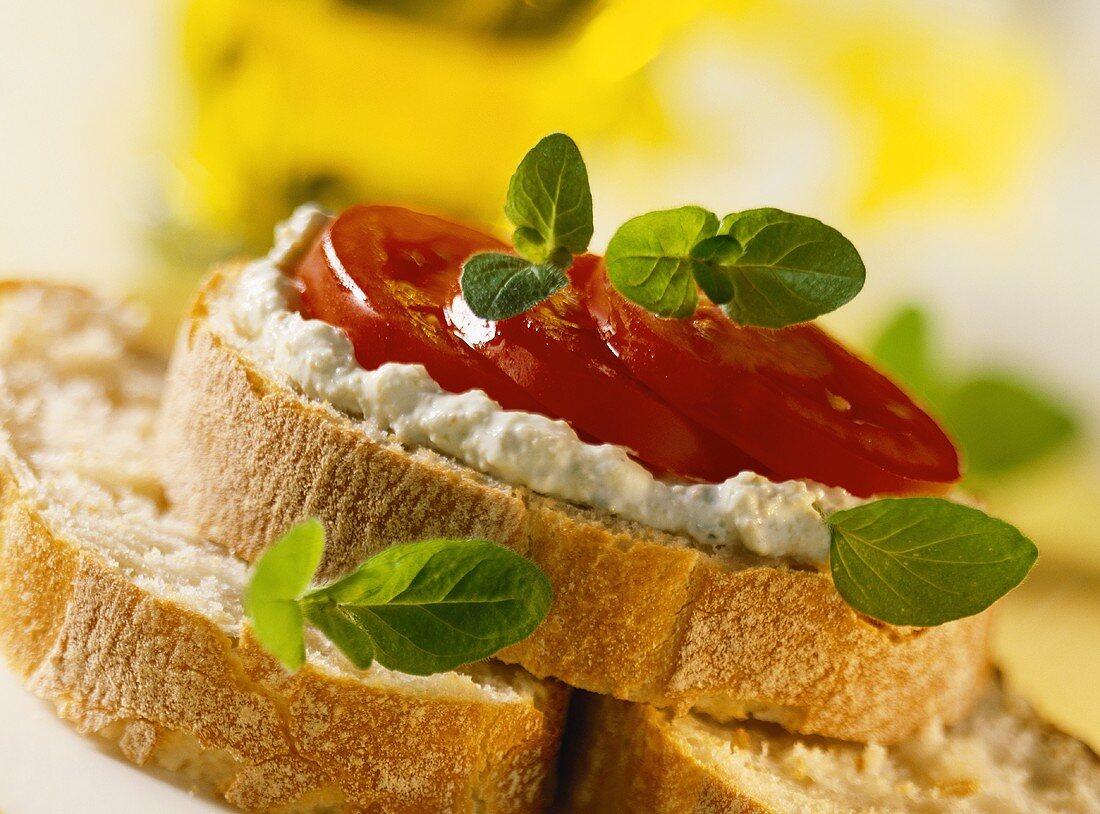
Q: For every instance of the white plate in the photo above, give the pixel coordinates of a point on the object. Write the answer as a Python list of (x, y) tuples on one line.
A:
[(47, 768)]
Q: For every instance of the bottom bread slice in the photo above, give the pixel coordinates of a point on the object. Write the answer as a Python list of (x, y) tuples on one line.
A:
[(131, 625), (1001, 759)]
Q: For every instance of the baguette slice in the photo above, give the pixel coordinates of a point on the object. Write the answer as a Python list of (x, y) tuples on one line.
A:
[(1001, 759), (637, 614), (130, 624)]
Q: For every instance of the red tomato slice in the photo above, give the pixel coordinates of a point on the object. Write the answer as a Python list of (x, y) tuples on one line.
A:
[(795, 399), (556, 354), (700, 397), (383, 274)]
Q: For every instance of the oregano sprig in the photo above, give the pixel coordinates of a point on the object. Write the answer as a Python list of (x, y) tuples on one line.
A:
[(550, 205), (765, 267), (420, 608)]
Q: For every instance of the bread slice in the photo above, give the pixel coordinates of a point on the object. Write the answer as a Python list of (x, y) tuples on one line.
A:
[(999, 760), (131, 624), (637, 614)]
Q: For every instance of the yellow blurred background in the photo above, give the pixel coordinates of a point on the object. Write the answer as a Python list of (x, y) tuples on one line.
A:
[(956, 143)]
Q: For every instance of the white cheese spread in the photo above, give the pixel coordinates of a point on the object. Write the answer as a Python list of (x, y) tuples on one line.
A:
[(260, 317)]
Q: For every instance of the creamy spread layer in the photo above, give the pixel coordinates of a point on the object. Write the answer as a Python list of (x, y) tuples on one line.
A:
[(259, 316)]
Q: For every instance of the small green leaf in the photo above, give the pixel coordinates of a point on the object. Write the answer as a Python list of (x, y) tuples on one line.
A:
[(792, 268), (279, 579), (549, 200), (286, 568), (904, 349), (711, 254), (432, 606), (343, 631), (528, 242), (924, 561), (498, 286), (1002, 423), (277, 624), (649, 259), (1000, 420)]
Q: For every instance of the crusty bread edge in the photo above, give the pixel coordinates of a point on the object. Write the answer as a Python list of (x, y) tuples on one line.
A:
[(625, 758), (623, 761), (170, 688), (637, 614)]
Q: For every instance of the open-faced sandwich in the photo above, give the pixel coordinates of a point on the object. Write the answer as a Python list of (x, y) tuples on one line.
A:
[(466, 475), (695, 488)]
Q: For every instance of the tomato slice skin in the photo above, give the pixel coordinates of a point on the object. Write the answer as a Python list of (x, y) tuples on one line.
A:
[(701, 398), (383, 274), (794, 398), (556, 354)]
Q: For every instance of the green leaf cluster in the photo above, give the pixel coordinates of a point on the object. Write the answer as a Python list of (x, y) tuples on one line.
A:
[(924, 561), (765, 267), (1000, 420), (419, 608), (550, 205)]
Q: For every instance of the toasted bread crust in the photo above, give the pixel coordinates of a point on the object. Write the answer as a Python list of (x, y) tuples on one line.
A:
[(151, 675), (169, 686), (628, 758), (623, 761), (637, 614)]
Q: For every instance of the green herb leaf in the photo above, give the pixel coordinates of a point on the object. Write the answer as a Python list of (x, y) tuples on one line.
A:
[(279, 579), (431, 606), (343, 631), (498, 286), (549, 200), (1002, 423), (924, 561), (649, 259), (903, 348), (791, 268), (712, 253)]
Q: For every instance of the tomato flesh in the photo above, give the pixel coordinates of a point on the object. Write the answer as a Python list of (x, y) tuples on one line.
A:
[(700, 398), (794, 398)]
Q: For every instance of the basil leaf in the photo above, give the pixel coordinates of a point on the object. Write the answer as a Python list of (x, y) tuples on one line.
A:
[(432, 606), (498, 286), (791, 268), (649, 259), (1002, 423), (924, 561), (549, 200), (279, 578)]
